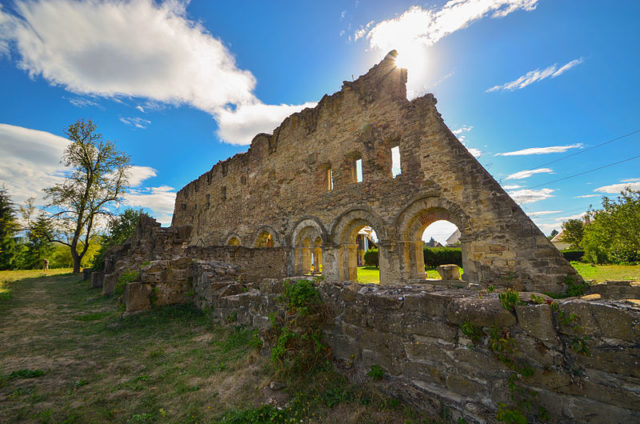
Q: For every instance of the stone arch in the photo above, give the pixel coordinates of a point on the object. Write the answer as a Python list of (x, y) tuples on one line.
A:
[(233, 239), (411, 223), (343, 234), (307, 240), (266, 236)]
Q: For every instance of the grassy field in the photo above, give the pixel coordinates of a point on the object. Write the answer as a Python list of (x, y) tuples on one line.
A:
[(370, 274), (68, 357), (607, 272)]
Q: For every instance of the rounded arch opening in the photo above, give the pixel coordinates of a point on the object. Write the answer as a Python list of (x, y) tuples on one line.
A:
[(355, 233), (442, 246), (264, 239), (233, 241), (307, 242)]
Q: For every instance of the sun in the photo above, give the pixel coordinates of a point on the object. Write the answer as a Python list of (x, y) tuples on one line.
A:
[(413, 58)]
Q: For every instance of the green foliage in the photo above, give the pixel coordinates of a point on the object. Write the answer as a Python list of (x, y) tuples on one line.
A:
[(434, 256), (38, 246), (474, 332), (125, 278), (510, 415), (26, 373), (579, 345), (97, 178), (300, 296), (575, 288), (119, 229), (265, 414), (510, 299), (371, 257), (613, 233), (8, 229), (376, 372), (297, 337), (573, 255), (572, 232)]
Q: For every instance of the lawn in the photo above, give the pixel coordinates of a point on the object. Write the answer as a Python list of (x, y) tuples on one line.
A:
[(607, 272), (67, 356), (370, 274)]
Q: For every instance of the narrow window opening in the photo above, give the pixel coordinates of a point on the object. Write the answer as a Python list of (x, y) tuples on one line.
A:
[(396, 167), (359, 170), (330, 179)]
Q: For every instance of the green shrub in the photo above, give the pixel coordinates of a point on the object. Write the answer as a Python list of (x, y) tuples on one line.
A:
[(124, 279), (371, 257), (376, 372), (434, 256), (573, 255)]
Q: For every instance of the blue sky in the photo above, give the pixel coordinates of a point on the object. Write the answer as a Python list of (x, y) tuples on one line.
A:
[(530, 86)]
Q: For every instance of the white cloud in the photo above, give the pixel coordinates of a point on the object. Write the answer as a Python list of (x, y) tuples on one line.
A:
[(617, 188), (530, 196), (416, 29), (475, 152), (132, 48), (541, 213), (241, 125), (136, 122), (512, 187), (462, 129), (541, 150), (30, 161), (82, 102), (439, 230), (140, 108), (534, 76), (586, 196), (526, 174), (160, 200), (137, 174), (629, 180), (460, 134)]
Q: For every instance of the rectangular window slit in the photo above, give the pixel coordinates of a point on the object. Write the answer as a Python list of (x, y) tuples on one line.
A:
[(396, 168), (330, 179), (359, 170)]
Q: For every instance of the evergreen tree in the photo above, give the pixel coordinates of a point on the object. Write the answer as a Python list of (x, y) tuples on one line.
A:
[(8, 229), (38, 246)]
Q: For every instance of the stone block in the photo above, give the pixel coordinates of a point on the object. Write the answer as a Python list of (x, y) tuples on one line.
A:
[(96, 280), (109, 284), (484, 312), (601, 319), (137, 297), (537, 320), (449, 272), (431, 304)]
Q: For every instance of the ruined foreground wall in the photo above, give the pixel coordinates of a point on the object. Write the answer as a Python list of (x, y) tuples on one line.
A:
[(415, 335), (282, 187)]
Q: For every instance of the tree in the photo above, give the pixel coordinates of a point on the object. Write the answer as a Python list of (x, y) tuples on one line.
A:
[(38, 245), (613, 233), (572, 232), (554, 233), (8, 229), (97, 178)]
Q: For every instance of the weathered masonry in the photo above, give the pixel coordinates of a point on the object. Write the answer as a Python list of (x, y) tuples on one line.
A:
[(326, 172)]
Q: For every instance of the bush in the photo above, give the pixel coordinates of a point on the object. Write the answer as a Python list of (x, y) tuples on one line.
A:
[(371, 257), (434, 256), (573, 255)]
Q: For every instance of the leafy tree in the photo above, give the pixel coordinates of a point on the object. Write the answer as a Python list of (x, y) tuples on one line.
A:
[(120, 228), (97, 178), (8, 229), (572, 232), (613, 232), (554, 233), (38, 245)]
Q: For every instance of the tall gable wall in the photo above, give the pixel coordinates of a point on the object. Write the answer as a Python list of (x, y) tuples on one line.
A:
[(281, 186)]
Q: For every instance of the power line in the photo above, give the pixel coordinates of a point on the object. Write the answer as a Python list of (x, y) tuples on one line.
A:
[(586, 172), (592, 147)]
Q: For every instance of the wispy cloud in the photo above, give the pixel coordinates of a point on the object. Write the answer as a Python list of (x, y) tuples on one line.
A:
[(82, 102), (587, 196), (136, 122), (629, 180), (541, 150), (461, 133), (541, 213), (512, 187), (158, 199), (140, 48), (617, 188), (530, 196), (534, 76), (527, 173), (140, 108), (137, 174)]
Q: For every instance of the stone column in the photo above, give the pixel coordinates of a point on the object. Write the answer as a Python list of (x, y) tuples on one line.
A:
[(352, 261), (306, 260), (389, 261), (331, 264)]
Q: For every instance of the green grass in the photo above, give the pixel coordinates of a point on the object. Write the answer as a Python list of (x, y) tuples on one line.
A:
[(607, 272), (371, 274), (8, 278)]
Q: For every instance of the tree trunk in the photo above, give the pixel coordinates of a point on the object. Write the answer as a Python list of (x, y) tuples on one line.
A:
[(76, 261)]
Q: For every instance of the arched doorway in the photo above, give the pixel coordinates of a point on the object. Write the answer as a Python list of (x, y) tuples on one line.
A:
[(266, 237), (233, 241), (352, 232), (413, 222), (442, 246), (307, 244)]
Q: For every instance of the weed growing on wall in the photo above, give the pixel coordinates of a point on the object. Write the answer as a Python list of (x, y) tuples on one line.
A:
[(124, 279)]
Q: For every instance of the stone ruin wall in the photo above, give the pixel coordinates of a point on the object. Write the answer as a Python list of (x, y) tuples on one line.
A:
[(281, 186), (416, 332)]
